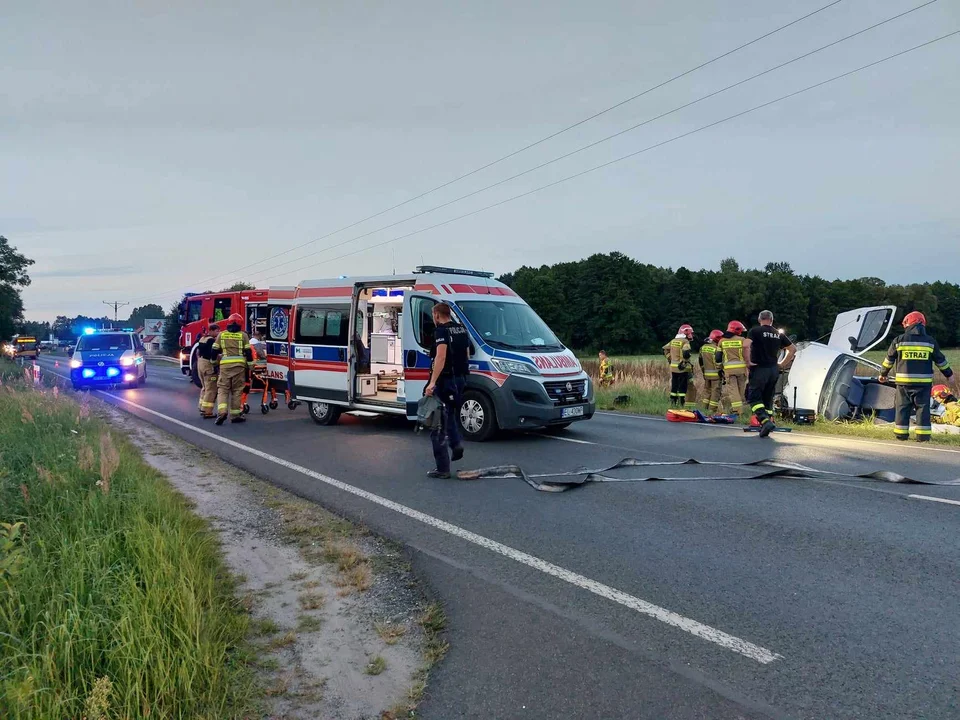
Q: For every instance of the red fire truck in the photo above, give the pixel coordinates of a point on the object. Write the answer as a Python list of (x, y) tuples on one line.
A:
[(199, 311)]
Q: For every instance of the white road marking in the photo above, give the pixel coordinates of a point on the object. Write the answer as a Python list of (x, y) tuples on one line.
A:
[(570, 440), (698, 629), (934, 499)]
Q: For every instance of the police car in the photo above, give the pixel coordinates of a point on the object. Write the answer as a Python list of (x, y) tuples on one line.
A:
[(108, 357)]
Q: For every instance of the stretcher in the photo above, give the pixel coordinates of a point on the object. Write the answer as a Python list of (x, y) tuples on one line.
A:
[(258, 381)]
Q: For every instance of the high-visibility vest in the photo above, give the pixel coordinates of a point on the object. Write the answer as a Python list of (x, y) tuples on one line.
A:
[(731, 353), (232, 345), (674, 351), (708, 361)]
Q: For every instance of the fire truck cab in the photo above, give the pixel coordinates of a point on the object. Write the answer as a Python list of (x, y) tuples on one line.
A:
[(199, 311)]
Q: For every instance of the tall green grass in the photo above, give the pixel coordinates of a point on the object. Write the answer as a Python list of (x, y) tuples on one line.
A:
[(114, 600)]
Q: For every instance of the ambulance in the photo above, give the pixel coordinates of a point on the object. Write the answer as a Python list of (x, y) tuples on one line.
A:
[(363, 344)]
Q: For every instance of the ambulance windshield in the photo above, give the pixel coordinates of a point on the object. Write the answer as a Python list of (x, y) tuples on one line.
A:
[(509, 325)]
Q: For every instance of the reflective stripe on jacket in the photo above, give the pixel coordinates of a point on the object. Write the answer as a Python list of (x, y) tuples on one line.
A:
[(676, 351), (708, 361), (234, 345), (730, 354), (913, 354)]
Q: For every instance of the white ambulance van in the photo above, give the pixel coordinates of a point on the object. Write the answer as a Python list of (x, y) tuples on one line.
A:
[(364, 344)]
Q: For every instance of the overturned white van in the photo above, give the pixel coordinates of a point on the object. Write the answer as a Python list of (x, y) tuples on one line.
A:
[(834, 381)]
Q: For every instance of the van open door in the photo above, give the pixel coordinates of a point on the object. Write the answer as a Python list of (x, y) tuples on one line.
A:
[(416, 334), (860, 330)]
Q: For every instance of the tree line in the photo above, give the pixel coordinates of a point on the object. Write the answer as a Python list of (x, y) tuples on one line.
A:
[(623, 306), (13, 278)]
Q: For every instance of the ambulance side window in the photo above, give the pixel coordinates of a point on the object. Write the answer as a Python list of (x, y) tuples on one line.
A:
[(322, 326), (423, 326)]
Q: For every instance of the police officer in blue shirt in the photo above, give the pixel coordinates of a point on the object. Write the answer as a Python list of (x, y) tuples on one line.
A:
[(448, 376)]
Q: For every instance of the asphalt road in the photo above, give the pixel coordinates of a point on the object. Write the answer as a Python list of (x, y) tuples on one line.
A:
[(703, 598)]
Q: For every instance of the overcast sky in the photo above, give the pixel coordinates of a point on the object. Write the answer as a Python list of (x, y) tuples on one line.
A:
[(147, 147)]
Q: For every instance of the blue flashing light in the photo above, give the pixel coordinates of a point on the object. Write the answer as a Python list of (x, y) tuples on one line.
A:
[(113, 372), (88, 373), (89, 331)]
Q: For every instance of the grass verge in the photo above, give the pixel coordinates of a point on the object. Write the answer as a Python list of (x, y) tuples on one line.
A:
[(114, 599)]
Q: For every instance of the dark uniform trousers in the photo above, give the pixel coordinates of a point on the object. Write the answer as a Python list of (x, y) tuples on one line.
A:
[(910, 399), (449, 391), (761, 390)]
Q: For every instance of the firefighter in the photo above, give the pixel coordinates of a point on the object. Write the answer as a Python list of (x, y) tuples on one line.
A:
[(232, 347), (730, 356), (683, 393), (712, 373), (948, 410), (914, 353), (207, 370), (605, 376)]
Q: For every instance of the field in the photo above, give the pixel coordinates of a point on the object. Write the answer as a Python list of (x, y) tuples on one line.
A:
[(114, 600), (645, 380)]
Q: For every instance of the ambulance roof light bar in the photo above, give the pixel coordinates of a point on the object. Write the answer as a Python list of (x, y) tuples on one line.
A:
[(422, 269)]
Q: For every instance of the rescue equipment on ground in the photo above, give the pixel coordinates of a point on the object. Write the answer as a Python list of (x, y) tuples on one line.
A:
[(677, 415)]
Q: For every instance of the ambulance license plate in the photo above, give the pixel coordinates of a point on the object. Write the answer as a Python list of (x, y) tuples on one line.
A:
[(572, 412)]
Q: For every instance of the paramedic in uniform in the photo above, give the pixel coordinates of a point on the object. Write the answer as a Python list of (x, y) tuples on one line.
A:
[(914, 353), (766, 342), (233, 347), (207, 371), (448, 375)]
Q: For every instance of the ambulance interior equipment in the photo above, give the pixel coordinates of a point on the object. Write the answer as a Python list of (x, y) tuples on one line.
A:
[(834, 381)]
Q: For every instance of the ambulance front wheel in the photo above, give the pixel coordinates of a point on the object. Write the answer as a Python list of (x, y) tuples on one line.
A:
[(477, 417), (323, 413)]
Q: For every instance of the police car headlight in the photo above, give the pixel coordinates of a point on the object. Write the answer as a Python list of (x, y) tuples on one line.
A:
[(76, 363), (126, 361), (514, 367)]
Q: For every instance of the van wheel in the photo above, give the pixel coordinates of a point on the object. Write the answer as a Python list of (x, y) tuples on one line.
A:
[(323, 413), (477, 417)]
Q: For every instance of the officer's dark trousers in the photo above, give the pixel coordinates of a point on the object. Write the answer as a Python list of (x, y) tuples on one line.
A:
[(678, 387), (449, 391), (761, 389), (912, 398)]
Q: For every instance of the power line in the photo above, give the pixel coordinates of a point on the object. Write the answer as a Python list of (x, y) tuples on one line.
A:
[(524, 148), (116, 305), (601, 140), (633, 154)]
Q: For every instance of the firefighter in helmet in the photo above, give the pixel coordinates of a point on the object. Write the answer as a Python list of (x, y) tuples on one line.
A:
[(947, 411), (730, 355), (683, 393), (605, 374), (913, 354), (233, 349), (712, 373), (207, 370)]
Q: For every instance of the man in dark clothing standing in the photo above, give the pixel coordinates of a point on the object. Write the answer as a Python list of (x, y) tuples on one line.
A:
[(914, 354), (766, 342), (448, 376)]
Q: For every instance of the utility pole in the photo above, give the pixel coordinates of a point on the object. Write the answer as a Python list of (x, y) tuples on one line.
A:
[(116, 305)]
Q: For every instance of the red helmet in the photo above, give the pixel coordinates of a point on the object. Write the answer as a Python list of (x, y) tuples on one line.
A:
[(686, 330), (736, 327), (235, 319), (914, 318), (940, 392), (715, 335)]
